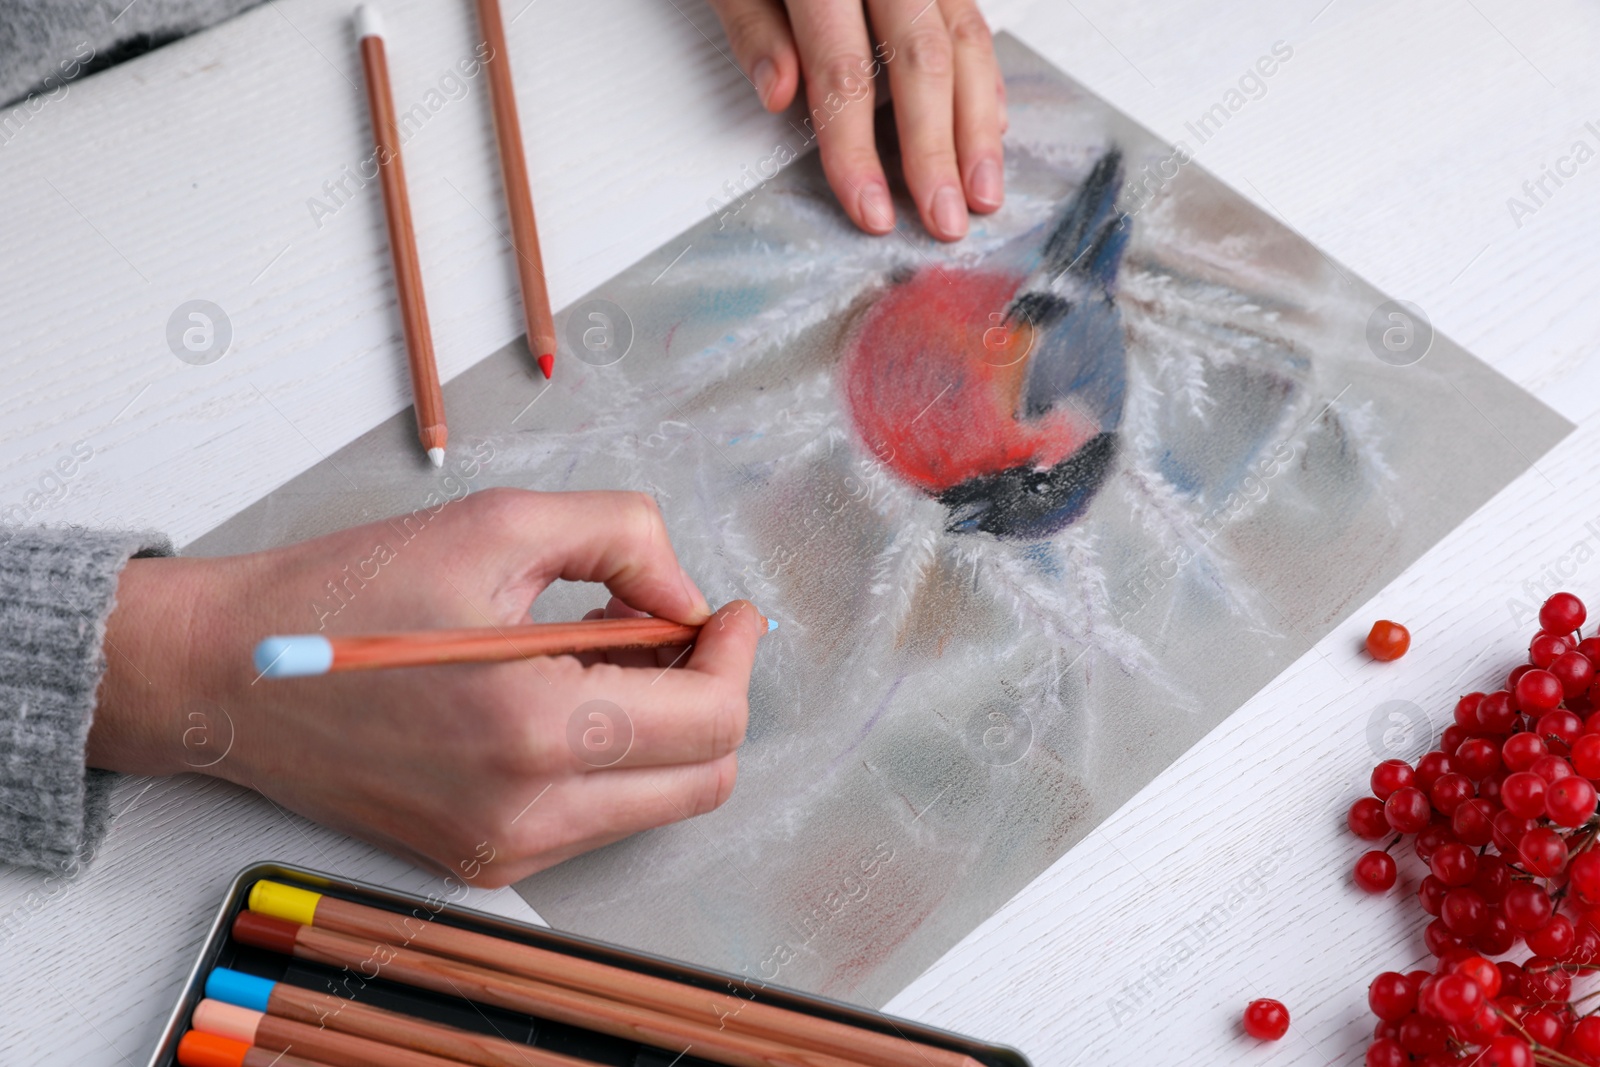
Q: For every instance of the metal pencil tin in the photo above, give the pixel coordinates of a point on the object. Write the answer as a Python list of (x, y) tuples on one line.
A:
[(220, 949)]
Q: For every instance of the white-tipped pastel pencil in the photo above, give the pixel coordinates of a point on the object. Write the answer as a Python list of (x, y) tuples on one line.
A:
[(402, 239)]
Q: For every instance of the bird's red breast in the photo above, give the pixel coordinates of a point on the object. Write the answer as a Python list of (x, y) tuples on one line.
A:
[(933, 381)]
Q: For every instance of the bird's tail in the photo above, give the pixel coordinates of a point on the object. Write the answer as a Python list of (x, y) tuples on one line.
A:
[(1090, 233)]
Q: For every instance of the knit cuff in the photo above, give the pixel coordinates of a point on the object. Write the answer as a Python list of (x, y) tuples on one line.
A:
[(57, 588)]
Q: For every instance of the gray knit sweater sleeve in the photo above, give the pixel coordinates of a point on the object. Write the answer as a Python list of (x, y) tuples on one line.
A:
[(57, 588)]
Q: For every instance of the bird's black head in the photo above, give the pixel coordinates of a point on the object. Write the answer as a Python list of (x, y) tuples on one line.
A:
[(1031, 502)]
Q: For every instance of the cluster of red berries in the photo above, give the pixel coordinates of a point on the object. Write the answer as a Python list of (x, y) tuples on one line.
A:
[(1503, 814)]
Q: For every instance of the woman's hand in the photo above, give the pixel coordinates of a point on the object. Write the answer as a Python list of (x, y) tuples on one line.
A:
[(949, 100), (489, 771)]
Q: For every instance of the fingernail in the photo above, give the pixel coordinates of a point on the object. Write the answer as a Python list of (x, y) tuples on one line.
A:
[(694, 592), (764, 75), (988, 184), (950, 212), (877, 210)]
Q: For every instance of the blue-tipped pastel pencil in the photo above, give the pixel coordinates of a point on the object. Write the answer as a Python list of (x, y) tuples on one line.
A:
[(300, 655)]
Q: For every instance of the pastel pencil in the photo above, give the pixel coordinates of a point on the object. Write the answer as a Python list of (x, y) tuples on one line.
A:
[(285, 1035), (200, 1049), (519, 198), (425, 389), (555, 1003), (298, 655), (294, 904), (286, 1001)]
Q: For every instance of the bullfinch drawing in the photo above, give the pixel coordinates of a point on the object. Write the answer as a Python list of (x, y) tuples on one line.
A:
[(998, 389)]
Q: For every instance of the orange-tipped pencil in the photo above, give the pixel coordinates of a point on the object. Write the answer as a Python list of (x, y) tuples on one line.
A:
[(519, 198), (200, 1049), (725, 1010), (299, 655), (402, 239)]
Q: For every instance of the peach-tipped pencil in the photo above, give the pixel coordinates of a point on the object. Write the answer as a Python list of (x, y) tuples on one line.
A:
[(425, 389), (302, 1039), (738, 1013), (555, 1003), (519, 197), (299, 655)]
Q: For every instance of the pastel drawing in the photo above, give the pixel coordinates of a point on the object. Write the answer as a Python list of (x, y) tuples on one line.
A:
[(1036, 511), (1024, 412)]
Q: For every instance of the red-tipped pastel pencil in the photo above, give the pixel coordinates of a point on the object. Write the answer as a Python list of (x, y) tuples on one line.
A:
[(402, 240), (299, 655), (519, 199)]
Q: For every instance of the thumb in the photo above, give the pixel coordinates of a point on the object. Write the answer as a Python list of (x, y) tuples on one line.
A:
[(727, 643)]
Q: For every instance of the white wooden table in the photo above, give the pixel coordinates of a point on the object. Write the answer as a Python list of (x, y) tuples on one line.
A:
[(1392, 138)]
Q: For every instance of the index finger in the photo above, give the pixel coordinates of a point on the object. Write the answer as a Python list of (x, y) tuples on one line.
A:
[(616, 538), (839, 66)]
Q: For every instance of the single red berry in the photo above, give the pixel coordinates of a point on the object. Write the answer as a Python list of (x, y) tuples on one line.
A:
[(1559, 728), (1387, 1052), (1391, 997), (1516, 674), (1430, 768), (1492, 880), (1451, 739), (1428, 840), (1440, 941), (1478, 758), (1527, 906), (1511, 989), (1453, 863), (1522, 794), (1473, 822), (1467, 710), (1430, 894), (1520, 750), (1546, 648), (1423, 1035), (1589, 649), (1570, 801), (1538, 692), (1544, 981), (1266, 1020), (1544, 1026), (1480, 970), (1584, 1039), (1408, 810), (1387, 640), (1457, 998), (1507, 1050), (1551, 768), (1375, 871), (1497, 937), (1366, 819), (1463, 912), (1489, 788), (1390, 775), (1508, 831), (1586, 752), (1554, 939), (1496, 714), (1483, 1026), (1561, 614), (1586, 945), (1449, 792), (1576, 672), (1543, 852), (1583, 875)]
